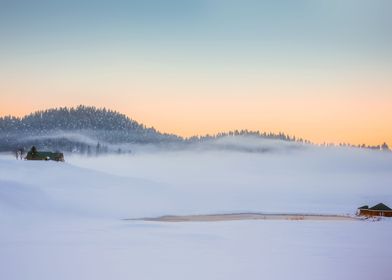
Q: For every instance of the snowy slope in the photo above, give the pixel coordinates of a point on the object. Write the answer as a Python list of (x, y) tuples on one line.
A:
[(194, 182), (201, 181), (308, 180)]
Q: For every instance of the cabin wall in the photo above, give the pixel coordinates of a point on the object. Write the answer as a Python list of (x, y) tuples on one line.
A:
[(388, 214), (365, 212)]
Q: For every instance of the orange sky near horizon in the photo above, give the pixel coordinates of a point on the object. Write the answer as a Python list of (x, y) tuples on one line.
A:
[(333, 105), (319, 119)]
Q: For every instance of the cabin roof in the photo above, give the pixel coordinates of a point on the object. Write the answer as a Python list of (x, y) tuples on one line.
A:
[(364, 207), (46, 153), (380, 207)]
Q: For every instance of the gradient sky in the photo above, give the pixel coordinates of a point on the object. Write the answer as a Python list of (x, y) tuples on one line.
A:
[(319, 69)]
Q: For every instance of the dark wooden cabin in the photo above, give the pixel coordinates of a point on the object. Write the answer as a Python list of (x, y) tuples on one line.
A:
[(378, 210), (33, 154)]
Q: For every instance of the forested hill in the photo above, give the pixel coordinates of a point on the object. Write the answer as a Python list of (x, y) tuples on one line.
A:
[(60, 128), (87, 129), (79, 118)]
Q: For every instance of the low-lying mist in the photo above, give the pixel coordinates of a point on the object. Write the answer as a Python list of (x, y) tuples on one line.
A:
[(225, 175)]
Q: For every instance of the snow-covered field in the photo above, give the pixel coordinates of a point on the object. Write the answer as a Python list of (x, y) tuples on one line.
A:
[(64, 220)]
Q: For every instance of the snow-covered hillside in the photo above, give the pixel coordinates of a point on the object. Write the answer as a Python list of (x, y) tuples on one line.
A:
[(305, 179), (64, 220)]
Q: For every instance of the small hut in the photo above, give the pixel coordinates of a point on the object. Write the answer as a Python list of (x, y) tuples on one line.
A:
[(33, 154), (377, 210)]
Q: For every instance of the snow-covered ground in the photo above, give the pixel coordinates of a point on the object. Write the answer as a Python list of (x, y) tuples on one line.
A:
[(92, 249), (64, 220)]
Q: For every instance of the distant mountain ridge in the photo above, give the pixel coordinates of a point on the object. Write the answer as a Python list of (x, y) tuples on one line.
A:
[(83, 129)]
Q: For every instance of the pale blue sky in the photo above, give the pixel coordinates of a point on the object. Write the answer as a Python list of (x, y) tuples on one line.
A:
[(45, 25)]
